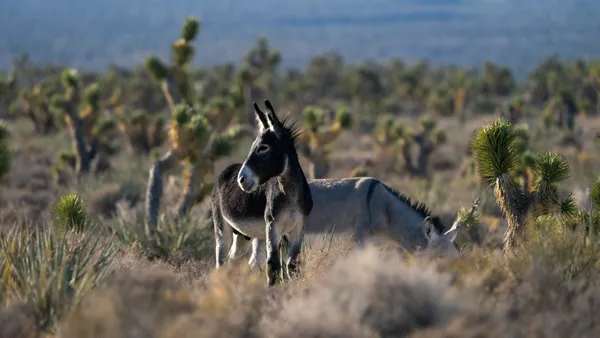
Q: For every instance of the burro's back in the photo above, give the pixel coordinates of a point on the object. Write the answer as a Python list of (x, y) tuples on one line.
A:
[(339, 203)]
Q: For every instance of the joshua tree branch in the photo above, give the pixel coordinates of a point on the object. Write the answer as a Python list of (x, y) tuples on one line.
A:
[(171, 93)]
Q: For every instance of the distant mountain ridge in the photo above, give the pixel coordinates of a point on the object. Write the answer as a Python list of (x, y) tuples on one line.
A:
[(462, 32)]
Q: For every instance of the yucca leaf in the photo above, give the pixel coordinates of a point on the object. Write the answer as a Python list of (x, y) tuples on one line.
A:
[(595, 194), (568, 208), (494, 150), (551, 167)]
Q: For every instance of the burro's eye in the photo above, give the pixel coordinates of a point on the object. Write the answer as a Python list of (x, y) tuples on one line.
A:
[(262, 149)]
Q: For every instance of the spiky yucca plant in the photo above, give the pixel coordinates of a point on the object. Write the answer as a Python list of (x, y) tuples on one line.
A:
[(70, 213), (51, 271), (90, 132), (496, 156), (319, 134)]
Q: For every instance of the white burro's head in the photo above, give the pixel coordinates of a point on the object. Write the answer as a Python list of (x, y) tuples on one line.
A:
[(440, 244)]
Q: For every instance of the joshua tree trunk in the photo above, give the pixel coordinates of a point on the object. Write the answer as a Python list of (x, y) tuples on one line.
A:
[(318, 169), (190, 191), (513, 233), (571, 112), (423, 161), (516, 204), (318, 165), (155, 186), (84, 155)]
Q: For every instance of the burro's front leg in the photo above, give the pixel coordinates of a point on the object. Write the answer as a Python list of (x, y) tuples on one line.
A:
[(273, 239), (295, 249)]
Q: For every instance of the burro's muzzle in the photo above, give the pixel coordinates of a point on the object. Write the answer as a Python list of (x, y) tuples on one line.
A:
[(247, 180)]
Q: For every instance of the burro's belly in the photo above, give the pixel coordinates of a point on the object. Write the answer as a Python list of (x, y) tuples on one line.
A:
[(286, 223)]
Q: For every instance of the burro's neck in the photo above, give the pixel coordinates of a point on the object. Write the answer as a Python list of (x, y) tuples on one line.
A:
[(292, 178)]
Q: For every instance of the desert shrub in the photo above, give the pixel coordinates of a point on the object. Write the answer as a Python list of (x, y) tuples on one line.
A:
[(156, 304), (370, 294), (167, 238), (50, 271), (563, 251)]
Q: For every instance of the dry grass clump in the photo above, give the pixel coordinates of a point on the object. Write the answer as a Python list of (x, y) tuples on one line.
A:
[(546, 288), (371, 294), (154, 303), (18, 320)]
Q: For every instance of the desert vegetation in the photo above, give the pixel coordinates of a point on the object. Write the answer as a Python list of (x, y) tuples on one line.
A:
[(113, 238)]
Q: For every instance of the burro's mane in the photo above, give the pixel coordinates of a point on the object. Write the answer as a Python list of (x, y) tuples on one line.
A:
[(417, 206)]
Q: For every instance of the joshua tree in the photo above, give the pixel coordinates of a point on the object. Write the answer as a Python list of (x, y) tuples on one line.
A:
[(318, 134), (198, 136), (196, 144), (255, 77), (561, 111), (174, 79), (496, 156), (513, 111), (142, 132), (34, 104), (89, 132), (392, 134)]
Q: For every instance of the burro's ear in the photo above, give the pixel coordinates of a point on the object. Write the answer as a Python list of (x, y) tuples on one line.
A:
[(261, 118), (429, 229), (272, 119)]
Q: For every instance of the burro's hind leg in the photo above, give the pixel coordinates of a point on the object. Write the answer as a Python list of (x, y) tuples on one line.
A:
[(295, 248), (259, 254), (223, 235), (273, 240), (239, 247)]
